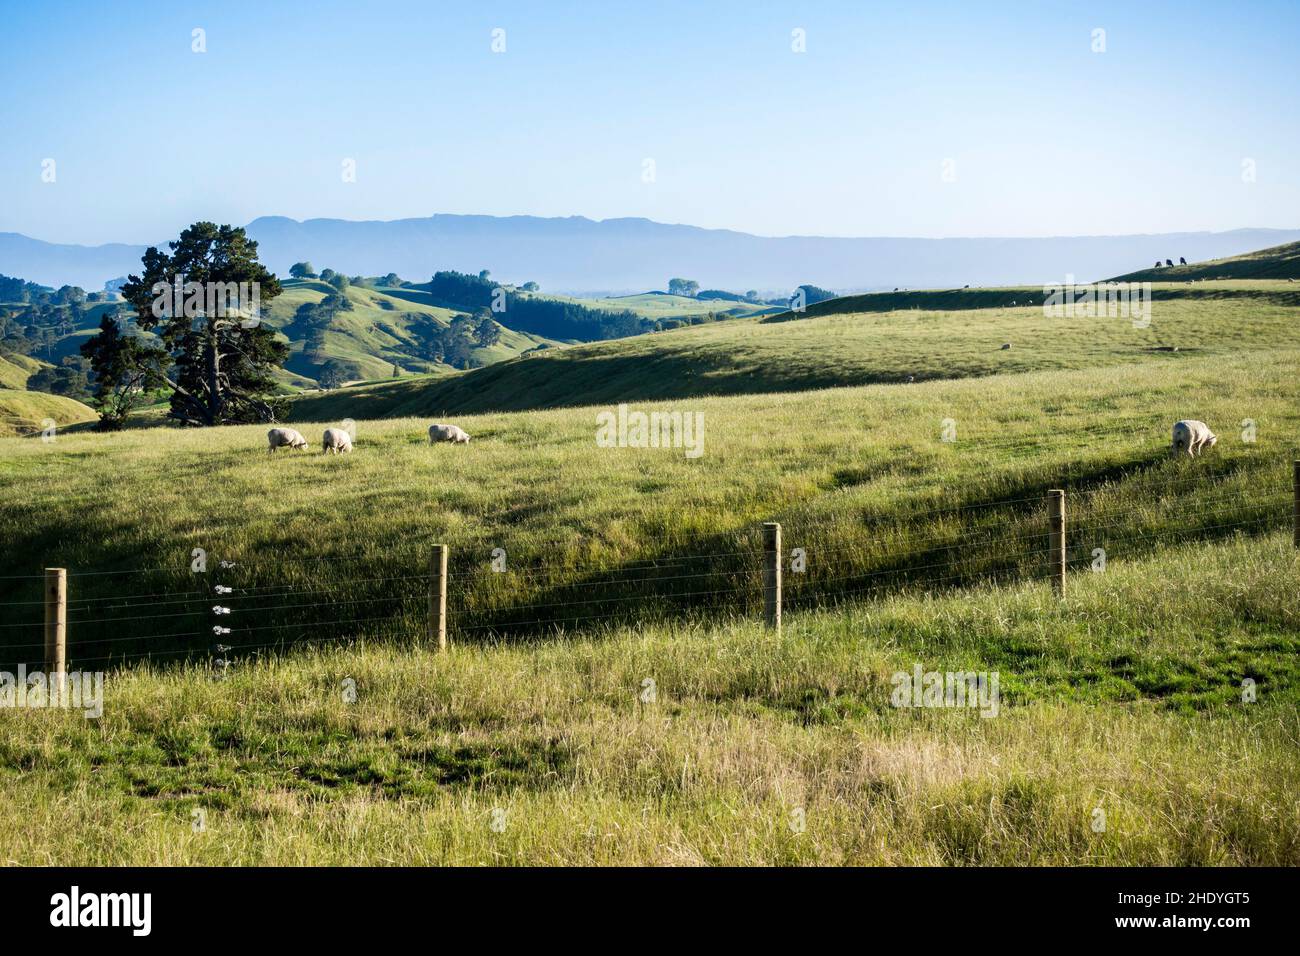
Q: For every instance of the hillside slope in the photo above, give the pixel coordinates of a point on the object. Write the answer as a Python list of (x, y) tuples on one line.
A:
[(15, 370), (1277, 262), (24, 413), (379, 330), (861, 477), (831, 350)]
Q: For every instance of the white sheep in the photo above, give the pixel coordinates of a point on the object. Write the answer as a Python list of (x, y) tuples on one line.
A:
[(452, 433), (284, 438), (336, 440), (1192, 436)]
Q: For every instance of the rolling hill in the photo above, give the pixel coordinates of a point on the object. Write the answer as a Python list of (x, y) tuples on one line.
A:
[(920, 336), (390, 325), (24, 413), (379, 330), (1277, 262), (15, 370)]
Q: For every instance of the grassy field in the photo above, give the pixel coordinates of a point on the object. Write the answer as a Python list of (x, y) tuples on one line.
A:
[(754, 750), (534, 740)]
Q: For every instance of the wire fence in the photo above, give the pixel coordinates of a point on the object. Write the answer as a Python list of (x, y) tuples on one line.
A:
[(221, 611)]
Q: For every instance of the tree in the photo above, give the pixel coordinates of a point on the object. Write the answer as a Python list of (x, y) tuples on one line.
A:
[(70, 378), (686, 287), (486, 331), (335, 373), (339, 281), (530, 287), (392, 281), (125, 369), (812, 294), (302, 270), (218, 361)]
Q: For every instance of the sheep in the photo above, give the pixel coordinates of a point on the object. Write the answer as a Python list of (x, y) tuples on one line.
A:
[(1182, 261), (1158, 263), (284, 438), (1192, 436), (1005, 346), (451, 433), (1170, 263), (336, 440)]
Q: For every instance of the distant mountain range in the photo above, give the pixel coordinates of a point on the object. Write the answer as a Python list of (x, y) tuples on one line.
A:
[(576, 254)]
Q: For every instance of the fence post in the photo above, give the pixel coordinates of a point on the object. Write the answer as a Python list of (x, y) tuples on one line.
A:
[(1295, 485), (438, 597), (772, 575), (1056, 512), (56, 628)]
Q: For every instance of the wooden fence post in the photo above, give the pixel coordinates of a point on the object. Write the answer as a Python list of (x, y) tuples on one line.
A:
[(1295, 486), (438, 597), (772, 575), (1056, 512), (56, 629)]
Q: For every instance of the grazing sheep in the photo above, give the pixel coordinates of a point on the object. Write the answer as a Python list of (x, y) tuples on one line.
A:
[(284, 438), (1005, 346), (452, 433), (1182, 261), (1192, 436), (1158, 263), (1169, 262), (336, 440)]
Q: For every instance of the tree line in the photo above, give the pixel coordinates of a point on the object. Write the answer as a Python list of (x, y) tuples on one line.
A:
[(518, 309)]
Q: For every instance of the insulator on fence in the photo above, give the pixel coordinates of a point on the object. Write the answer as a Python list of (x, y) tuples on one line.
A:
[(219, 631), (218, 609), (222, 589)]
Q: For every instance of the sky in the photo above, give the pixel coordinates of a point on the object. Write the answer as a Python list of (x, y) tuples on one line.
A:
[(825, 118)]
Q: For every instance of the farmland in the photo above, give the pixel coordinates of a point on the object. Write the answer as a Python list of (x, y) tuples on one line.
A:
[(533, 739)]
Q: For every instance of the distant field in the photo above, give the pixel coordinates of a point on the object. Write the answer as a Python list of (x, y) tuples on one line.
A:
[(828, 349), (654, 305)]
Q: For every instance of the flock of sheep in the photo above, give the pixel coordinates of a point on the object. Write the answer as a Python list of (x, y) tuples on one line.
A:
[(337, 440), (1190, 436)]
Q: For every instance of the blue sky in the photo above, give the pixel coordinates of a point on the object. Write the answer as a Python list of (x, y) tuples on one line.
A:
[(849, 138)]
